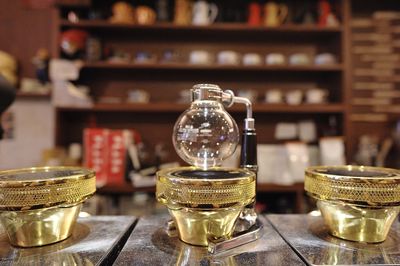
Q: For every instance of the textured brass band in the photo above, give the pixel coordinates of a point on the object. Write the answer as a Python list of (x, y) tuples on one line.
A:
[(200, 192), (27, 194), (378, 187)]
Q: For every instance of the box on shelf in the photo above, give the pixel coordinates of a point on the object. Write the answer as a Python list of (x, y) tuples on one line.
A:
[(106, 153)]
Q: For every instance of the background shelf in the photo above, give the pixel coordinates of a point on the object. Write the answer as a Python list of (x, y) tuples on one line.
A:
[(174, 108), (24, 95), (213, 67), (216, 27)]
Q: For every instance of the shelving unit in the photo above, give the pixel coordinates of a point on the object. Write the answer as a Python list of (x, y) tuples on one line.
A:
[(216, 27), (174, 108), (165, 81), (214, 67)]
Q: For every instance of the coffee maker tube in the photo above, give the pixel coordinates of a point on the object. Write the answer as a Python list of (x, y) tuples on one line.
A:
[(248, 155)]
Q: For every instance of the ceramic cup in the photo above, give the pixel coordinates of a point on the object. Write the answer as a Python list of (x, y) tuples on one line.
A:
[(325, 59), (316, 95), (228, 58), (144, 57), (294, 97), (274, 96), (171, 56), (251, 59), (138, 96), (249, 94), (275, 14), (275, 59), (299, 59), (204, 13), (184, 96), (200, 57)]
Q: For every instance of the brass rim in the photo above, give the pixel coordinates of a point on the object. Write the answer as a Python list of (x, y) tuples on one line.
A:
[(82, 173), (358, 185), (204, 193), (70, 185)]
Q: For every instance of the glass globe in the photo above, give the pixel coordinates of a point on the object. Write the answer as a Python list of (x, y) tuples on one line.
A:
[(205, 134)]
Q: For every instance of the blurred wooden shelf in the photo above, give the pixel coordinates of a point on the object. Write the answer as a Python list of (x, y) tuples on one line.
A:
[(265, 187), (176, 107), (124, 189), (128, 188), (25, 95), (209, 67), (216, 27)]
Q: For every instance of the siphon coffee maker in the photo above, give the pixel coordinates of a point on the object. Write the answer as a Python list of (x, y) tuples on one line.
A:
[(211, 205)]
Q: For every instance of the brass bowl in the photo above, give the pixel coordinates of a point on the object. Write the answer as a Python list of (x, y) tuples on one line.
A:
[(39, 206), (205, 204), (357, 203)]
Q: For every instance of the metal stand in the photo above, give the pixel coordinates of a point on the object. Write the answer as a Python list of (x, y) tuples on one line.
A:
[(239, 238)]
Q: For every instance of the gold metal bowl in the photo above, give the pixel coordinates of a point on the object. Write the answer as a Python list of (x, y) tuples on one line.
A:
[(39, 206), (358, 203), (205, 204)]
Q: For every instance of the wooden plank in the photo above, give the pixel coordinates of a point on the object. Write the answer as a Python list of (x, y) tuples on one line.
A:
[(386, 65), (374, 37), (358, 85), (394, 78), (363, 72), (361, 23), (371, 101), (396, 29), (378, 49), (375, 57), (369, 117), (386, 15), (387, 109), (386, 94)]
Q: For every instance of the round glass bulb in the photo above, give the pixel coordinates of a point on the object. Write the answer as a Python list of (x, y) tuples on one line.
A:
[(205, 134)]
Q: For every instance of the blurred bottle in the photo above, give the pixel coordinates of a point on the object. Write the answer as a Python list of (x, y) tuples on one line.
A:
[(93, 49), (394, 155), (74, 156), (332, 128), (162, 10), (254, 16)]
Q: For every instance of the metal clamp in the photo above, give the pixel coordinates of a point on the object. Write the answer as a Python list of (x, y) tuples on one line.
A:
[(253, 233), (239, 238)]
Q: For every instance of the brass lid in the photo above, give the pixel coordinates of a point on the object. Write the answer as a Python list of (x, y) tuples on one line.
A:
[(359, 185), (42, 187), (212, 188)]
